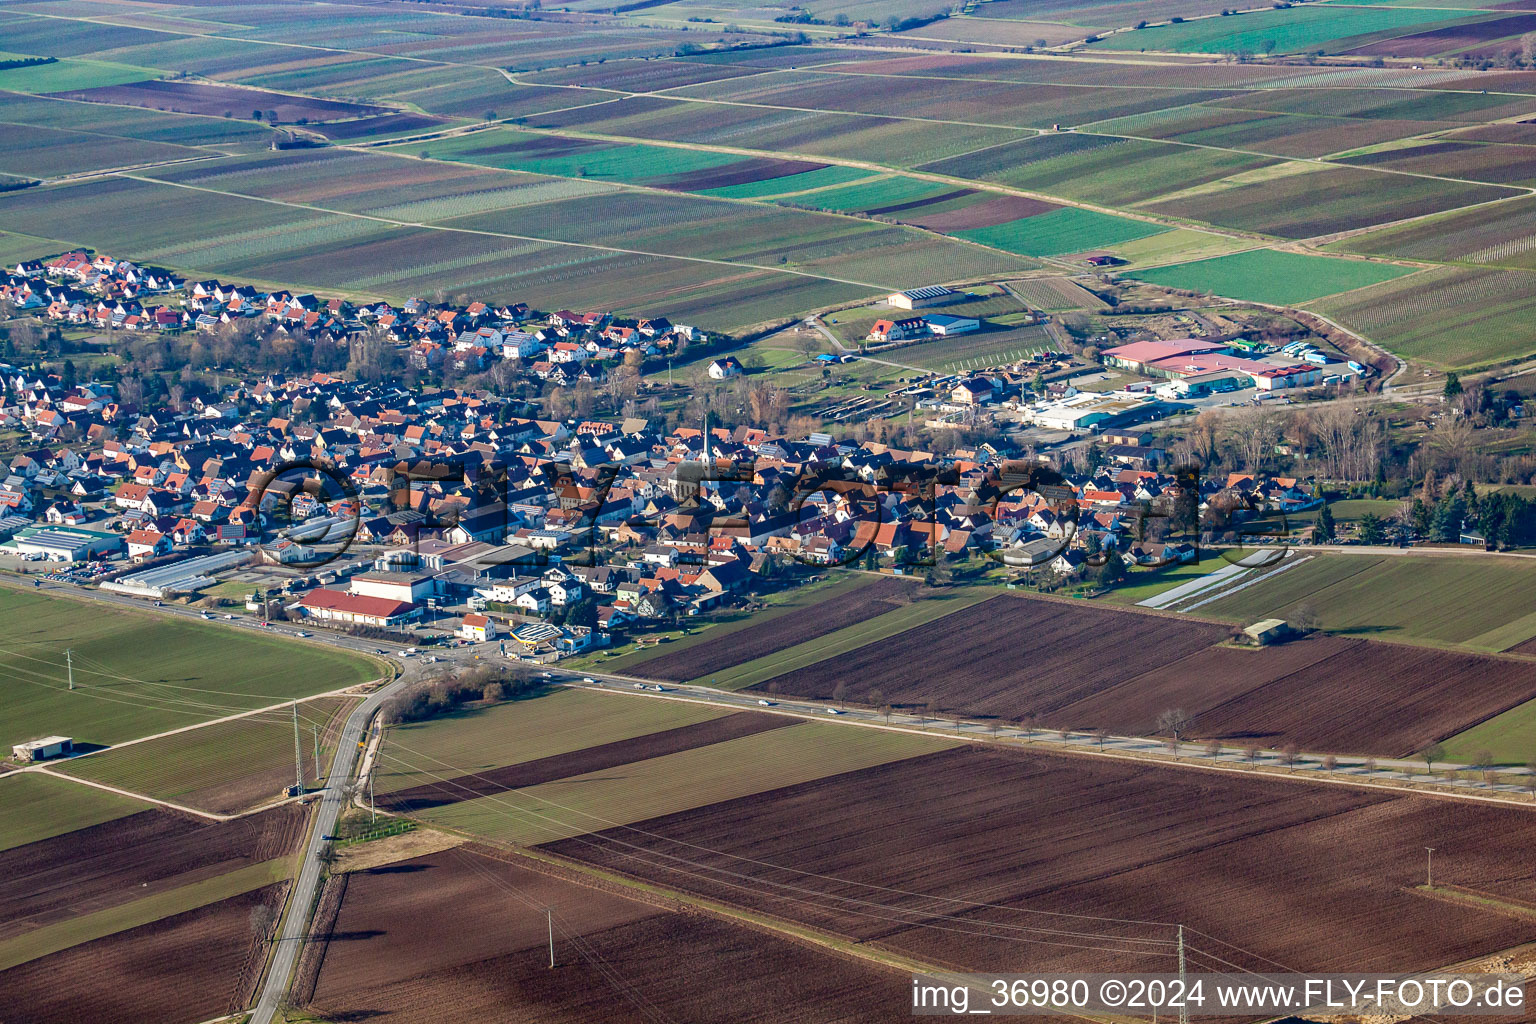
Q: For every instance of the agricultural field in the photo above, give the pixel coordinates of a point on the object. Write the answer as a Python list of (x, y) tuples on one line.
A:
[(1259, 871), (504, 735), (1267, 275), (819, 650), (1062, 231), (975, 351), (1450, 317), (226, 767), (39, 152), (137, 674), (1482, 604), (834, 587), (1057, 293), (1095, 667), (764, 637), (395, 939), (1499, 234), (1317, 29), (666, 782), (113, 904), (38, 807)]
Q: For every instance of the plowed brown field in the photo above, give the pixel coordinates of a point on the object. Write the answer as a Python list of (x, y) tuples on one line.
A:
[(1002, 860), (400, 952), (1083, 667), (775, 634), (132, 858), (191, 967)]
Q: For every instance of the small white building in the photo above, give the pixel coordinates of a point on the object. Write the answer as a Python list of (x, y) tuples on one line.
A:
[(477, 627), (917, 298), (43, 749)]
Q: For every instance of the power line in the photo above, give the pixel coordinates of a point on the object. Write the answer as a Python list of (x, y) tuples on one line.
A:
[(816, 900)]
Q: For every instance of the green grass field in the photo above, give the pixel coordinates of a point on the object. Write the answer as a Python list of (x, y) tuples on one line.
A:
[(1068, 229), (518, 151), (35, 807), (225, 767), (1482, 603), (1265, 275), (66, 75), (680, 781), (1510, 738), (1282, 31), (820, 178), (869, 195), (525, 730), (929, 606), (137, 674), (1145, 583)]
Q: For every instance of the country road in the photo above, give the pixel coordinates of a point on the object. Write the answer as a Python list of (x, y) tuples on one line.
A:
[(1360, 770), (306, 888)]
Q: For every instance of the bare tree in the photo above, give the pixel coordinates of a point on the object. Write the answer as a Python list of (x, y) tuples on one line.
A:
[(261, 919), (1432, 753), (1213, 749), (1173, 721), (1369, 766), (927, 709), (1288, 754), (1330, 764), (886, 708), (840, 694), (1304, 618), (875, 698), (1099, 736), (1256, 434), (1027, 722), (1483, 761), (1173, 746), (1251, 753)]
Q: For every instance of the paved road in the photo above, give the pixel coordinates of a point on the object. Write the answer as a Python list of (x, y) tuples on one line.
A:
[(290, 941), (1352, 768)]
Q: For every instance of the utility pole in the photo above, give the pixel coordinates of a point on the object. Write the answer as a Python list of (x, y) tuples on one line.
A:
[(69, 659), (298, 752), (1429, 867), (372, 817), (1183, 992), (550, 914), (316, 730)]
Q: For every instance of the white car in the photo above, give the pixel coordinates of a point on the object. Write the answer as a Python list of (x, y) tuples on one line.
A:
[(766, 703), (833, 711), (547, 675), (301, 633), (639, 686), (659, 689), (588, 679)]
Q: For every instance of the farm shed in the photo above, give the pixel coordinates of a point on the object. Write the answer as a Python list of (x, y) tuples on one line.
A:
[(917, 298), (1267, 631), (43, 749)]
